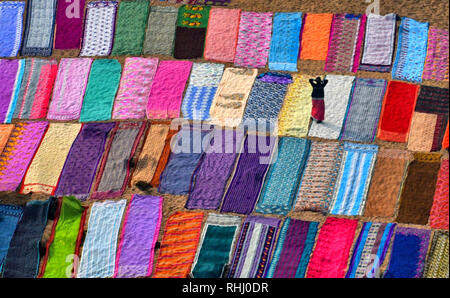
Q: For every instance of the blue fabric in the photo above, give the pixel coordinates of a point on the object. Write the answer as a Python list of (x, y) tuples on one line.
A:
[(12, 105), (405, 249), (359, 248), (10, 215), (278, 249), (285, 42), (11, 18), (307, 249)]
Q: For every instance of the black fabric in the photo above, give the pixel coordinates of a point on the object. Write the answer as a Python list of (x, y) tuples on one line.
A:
[(189, 43), (318, 87)]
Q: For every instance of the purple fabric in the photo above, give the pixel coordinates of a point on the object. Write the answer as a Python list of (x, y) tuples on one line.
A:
[(81, 164), (210, 178), (249, 175), (8, 73), (69, 24), (139, 235)]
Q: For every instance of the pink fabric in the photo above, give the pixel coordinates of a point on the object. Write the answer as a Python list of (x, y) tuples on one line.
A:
[(167, 90), (222, 34), (134, 88), (436, 63), (359, 42), (44, 91)]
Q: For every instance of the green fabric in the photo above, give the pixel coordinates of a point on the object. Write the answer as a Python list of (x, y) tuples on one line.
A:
[(214, 252), (101, 90), (187, 16), (65, 239), (130, 27)]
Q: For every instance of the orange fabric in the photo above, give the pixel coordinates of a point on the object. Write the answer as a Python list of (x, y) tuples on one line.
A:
[(445, 140), (163, 159), (5, 131), (315, 36)]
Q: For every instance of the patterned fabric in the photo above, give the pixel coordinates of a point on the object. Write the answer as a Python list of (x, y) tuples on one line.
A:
[(179, 245), (353, 181), (294, 247), (18, 153), (99, 248), (39, 28), (347, 33), (10, 216), (134, 88), (315, 36), (436, 63), (69, 24), (11, 19), (11, 72), (101, 90), (370, 250), (411, 51), (167, 90), (81, 164), (216, 243), (99, 28), (68, 92), (160, 32), (5, 132), (337, 95), (222, 34), (253, 44), (403, 263), (281, 183), (364, 109), (285, 43), (43, 173), (439, 211), (429, 119), (379, 43), (254, 247), (203, 83), (330, 256), (437, 260), (138, 238)]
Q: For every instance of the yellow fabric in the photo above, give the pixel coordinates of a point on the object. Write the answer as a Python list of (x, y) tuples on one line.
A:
[(5, 131)]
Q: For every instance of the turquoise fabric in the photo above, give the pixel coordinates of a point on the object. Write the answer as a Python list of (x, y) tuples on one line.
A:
[(307, 250)]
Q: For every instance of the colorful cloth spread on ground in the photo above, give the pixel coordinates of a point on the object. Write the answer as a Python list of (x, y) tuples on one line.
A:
[(293, 120), (210, 177), (408, 253), (134, 88), (44, 171), (186, 154), (315, 36), (65, 238), (294, 246), (82, 161), (337, 95), (179, 245), (10, 216), (231, 96), (411, 51), (353, 181), (69, 88), (255, 30), (285, 43), (11, 19), (69, 24), (164, 158), (22, 260), (222, 34), (36, 87), (99, 248), (445, 140), (114, 169), (364, 109), (5, 132), (138, 238), (160, 32), (39, 28), (281, 184), (386, 182), (203, 83), (101, 90), (439, 212), (216, 244), (379, 43), (344, 50), (429, 119), (191, 31), (99, 28), (436, 63), (330, 256), (437, 261), (319, 177), (18, 153), (248, 177), (167, 90), (11, 72), (254, 247), (260, 113), (397, 111), (418, 189), (370, 250)]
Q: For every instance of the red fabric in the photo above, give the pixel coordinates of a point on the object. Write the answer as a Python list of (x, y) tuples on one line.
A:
[(318, 109), (445, 141), (397, 111), (439, 212), (45, 85)]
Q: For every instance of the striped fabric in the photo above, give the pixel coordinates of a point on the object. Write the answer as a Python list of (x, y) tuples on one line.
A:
[(11, 72), (436, 63), (437, 260), (99, 248)]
